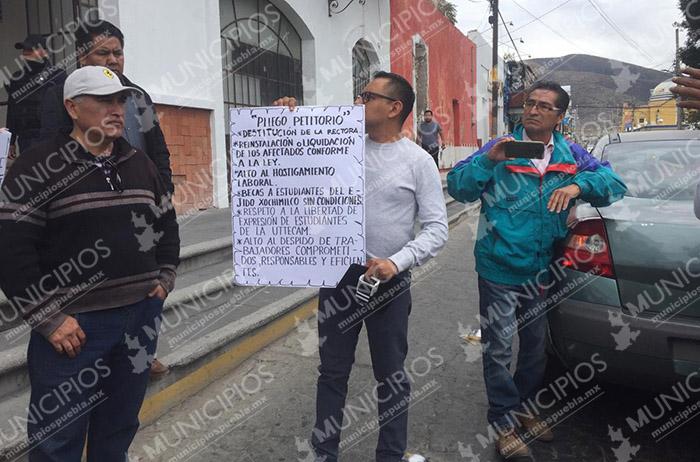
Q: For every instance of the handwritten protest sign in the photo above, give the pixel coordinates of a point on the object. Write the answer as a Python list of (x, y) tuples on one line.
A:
[(297, 194), (5, 137)]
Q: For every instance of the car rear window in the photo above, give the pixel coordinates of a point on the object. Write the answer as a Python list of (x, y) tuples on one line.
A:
[(662, 170)]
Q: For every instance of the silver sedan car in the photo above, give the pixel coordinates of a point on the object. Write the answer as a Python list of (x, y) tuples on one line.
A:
[(631, 283)]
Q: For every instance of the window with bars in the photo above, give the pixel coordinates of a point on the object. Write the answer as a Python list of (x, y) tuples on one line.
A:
[(261, 54), (52, 17), (361, 67), (87, 9), (261, 61)]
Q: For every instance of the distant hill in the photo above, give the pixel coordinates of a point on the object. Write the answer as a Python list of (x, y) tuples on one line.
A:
[(599, 87)]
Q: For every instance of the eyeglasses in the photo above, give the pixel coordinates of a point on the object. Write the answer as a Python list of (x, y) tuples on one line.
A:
[(544, 107), (367, 96)]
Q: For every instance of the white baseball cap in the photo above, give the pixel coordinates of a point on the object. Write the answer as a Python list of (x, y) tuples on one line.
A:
[(94, 80)]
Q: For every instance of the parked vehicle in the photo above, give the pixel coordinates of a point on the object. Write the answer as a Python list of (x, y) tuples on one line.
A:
[(641, 310)]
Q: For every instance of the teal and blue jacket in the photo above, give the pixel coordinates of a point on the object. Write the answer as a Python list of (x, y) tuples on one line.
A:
[(517, 233)]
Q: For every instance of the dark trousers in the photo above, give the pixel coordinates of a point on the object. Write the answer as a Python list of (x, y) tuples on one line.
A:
[(387, 332), (503, 314), (96, 395), (434, 153)]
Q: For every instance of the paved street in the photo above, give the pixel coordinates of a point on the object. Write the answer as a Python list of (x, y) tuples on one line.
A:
[(264, 410)]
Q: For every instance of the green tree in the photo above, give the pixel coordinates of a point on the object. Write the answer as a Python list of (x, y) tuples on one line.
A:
[(690, 53), (448, 9)]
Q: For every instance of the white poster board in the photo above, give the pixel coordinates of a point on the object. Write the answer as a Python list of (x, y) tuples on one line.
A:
[(297, 194), (5, 137)]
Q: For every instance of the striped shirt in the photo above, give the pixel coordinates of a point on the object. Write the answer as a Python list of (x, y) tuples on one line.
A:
[(80, 233)]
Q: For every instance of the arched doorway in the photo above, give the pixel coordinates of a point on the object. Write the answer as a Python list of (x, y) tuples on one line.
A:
[(261, 57), (261, 54)]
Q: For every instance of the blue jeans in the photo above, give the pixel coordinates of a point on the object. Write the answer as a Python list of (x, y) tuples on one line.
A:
[(387, 332), (503, 309), (96, 395)]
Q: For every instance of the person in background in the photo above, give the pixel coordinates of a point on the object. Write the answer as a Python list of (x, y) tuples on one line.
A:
[(25, 92), (430, 136)]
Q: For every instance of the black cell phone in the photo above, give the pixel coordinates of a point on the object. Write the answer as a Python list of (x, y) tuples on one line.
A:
[(525, 149)]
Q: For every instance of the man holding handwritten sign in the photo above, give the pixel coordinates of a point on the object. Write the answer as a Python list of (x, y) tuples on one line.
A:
[(402, 186)]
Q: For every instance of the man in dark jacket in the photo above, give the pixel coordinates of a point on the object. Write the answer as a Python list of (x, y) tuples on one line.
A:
[(89, 251), (101, 43), (26, 90)]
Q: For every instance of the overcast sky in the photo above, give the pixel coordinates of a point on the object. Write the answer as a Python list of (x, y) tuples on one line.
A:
[(576, 27)]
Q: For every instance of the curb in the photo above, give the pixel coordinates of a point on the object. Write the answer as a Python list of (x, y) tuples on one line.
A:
[(218, 353)]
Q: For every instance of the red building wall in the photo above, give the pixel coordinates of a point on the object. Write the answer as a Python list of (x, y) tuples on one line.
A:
[(451, 66)]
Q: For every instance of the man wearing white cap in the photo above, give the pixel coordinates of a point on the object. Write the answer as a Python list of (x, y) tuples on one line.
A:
[(89, 253)]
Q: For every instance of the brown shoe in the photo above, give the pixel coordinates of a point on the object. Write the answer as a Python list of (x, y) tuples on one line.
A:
[(510, 445), (536, 428), (158, 369)]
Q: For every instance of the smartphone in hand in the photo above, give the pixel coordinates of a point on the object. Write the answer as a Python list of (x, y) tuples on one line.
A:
[(525, 149)]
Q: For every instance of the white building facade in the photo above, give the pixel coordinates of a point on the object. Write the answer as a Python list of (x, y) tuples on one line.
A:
[(199, 58), (483, 88)]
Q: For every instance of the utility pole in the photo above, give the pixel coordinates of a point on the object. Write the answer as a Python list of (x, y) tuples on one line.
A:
[(494, 70), (679, 110)]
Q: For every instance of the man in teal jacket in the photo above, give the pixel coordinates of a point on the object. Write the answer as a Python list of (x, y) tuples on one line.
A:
[(524, 206)]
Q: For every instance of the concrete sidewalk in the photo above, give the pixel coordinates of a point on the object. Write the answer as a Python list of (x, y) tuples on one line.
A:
[(204, 225)]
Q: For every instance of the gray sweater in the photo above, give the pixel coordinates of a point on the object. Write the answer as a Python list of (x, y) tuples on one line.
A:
[(402, 186)]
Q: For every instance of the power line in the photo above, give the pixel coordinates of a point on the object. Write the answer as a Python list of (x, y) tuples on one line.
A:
[(619, 31), (486, 15), (510, 36), (542, 15), (545, 24), (537, 18)]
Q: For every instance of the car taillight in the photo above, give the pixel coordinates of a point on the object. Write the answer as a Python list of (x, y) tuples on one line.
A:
[(586, 249)]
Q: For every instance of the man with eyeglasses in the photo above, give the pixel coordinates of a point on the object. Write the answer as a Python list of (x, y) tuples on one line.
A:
[(88, 257), (403, 187), (524, 207)]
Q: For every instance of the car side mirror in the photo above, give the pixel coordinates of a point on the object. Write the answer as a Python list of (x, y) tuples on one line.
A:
[(696, 201)]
